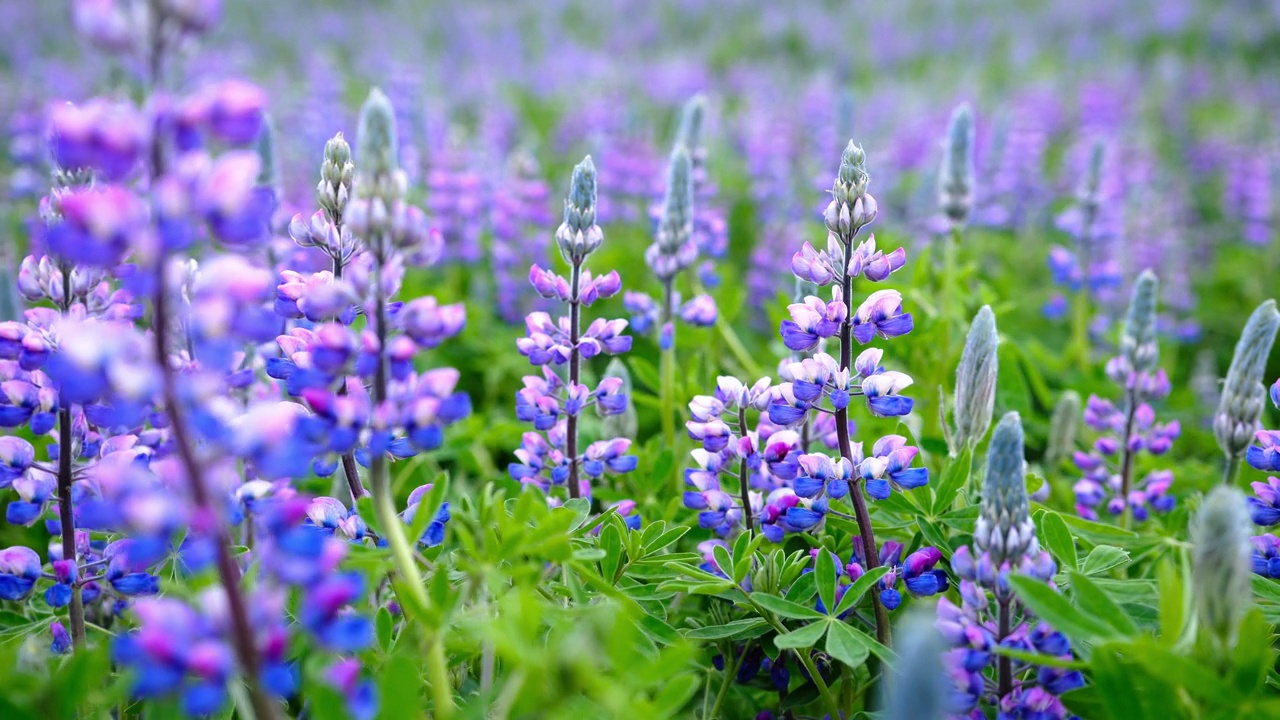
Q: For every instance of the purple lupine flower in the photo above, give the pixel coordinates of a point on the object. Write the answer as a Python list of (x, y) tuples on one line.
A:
[(1264, 506), (19, 571), (1266, 556)]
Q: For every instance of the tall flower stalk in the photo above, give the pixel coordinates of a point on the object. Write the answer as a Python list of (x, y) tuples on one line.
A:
[(851, 208), (551, 403)]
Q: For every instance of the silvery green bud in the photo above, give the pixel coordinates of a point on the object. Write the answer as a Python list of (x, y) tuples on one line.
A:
[(1243, 395), (1062, 429), (337, 173), (976, 380), (955, 177), (917, 687), (625, 425), (268, 174), (851, 206), (1221, 565), (1089, 193), (1004, 528), (1138, 344), (676, 223), (691, 115), (376, 133), (579, 236)]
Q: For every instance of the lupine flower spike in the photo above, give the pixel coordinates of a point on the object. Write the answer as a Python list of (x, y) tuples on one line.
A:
[(1129, 428), (1220, 564), (1243, 394), (551, 403)]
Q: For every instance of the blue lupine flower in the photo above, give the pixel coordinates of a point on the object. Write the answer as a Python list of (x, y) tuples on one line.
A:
[(1264, 506), (19, 571)]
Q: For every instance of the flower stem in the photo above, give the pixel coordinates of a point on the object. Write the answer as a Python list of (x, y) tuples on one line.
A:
[(950, 297), (575, 362), (66, 510), (1004, 664), (743, 486), (384, 503), (870, 550), (1126, 464), (730, 671), (668, 370), (228, 573), (349, 468), (1231, 470)]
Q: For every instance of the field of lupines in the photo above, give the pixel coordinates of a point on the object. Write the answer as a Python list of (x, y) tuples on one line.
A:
[(576, 359)]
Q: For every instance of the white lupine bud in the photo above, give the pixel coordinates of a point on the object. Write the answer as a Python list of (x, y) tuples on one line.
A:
[(579, 236), (1138, 344), (976, 380), (1220, 566), (1243, 394), (1004, 528)]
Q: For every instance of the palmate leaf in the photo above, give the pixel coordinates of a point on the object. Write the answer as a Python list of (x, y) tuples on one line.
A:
[(1095, 602), (736, 630), (1058, 540), (847, 645), (952, 482), (785, 608), (858, 589)]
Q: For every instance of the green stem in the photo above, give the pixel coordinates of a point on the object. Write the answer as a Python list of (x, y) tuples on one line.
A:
[(730, 671), (950, 245), (823, 689), (1231, 471), (667, 392), (1080, 326), (441, 689)]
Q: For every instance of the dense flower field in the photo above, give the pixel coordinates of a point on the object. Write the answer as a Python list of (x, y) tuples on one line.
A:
[(585, 359)]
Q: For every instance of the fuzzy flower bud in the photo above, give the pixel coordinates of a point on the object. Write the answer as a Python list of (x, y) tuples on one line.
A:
[(677, 205), (1138, 344), (624, 424), (376, 134), (917, 689), (1004, 528), (955, 184), (976, 380), (337, 173), (579, 236), (1062, 429), (1220, 566), (1243, 395), (691, 115), (851, 205)]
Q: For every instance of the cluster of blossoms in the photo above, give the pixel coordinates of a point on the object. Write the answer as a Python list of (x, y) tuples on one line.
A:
[(1264, 504), (1130, 428), (551, 455), (168, 440), (989, 614), (919, 572)]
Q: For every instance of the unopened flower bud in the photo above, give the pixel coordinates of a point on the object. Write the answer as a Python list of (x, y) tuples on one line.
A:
[(917, 689), (1243, 395), (1004, 528), (376, 134), (1220, 566), (955, 177), (1138, 344), (1062, 429), (579, 236), (976, 380)]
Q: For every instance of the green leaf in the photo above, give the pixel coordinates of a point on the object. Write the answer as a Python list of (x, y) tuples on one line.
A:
[(1173, 607), (384, 624), (1103, 558), (859, 588), (736, 630), (1036, 658), (664, 540), (803, 589), (953, 481), (1054, 609), (611, 543), (698, 574), (645, 372), (825, 570), (675, 695), (805, 637), (847, 645), (785, 608), (399, 685), (1253, 655), (743, 556), (724, 561), (1097, 531), (1058, 540), (1097, 603), (1115, 685)]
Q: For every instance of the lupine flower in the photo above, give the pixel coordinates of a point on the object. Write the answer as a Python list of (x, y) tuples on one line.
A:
[(1264, 506), (19, 571)]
